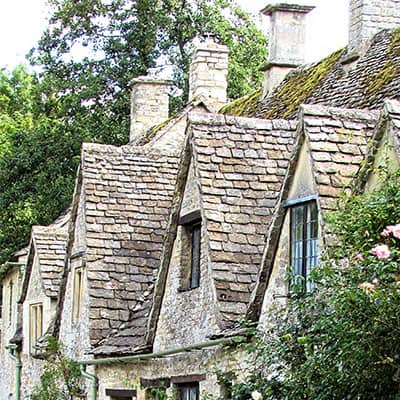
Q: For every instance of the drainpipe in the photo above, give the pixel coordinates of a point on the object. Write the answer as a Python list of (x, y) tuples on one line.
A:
[(12, 353), (93, 382)]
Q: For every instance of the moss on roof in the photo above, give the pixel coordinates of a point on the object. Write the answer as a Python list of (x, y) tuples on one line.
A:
[(245, 106), (383, 77), (300, 85)]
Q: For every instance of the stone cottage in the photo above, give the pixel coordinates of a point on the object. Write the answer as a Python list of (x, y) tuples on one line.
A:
[(175, 238)]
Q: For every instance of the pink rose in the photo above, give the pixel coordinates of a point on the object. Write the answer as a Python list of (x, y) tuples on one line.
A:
[(386, 232), (394, 230), (367, 287), (358, 257), (381, 251)]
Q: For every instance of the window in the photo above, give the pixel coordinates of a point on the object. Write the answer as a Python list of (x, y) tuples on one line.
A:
[(78, 294), (304, 241), (10, 305), (195, 236), (190, 250), (187, 387), (155, 389), (35, 324), (188, 391)]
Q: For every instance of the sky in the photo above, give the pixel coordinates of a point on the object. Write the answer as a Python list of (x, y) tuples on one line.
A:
[(22, 22)]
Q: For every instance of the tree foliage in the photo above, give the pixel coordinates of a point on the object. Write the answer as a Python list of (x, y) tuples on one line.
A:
[(93, 48), (87, 57), (37, 159), (342, 340)]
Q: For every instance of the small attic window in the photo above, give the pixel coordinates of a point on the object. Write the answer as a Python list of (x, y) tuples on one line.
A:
[(11, 300), (303, 241), (190, 250), (35, 325), (77, 294)]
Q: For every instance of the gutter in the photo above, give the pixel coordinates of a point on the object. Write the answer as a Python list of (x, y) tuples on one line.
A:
[(12, 353), (140, 357), (160, 354)]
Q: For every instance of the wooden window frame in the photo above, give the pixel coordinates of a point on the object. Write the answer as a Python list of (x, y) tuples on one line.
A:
[(185, 388), (191, 250), (308, 242), (35, 324), (10, 299), (77, 293)]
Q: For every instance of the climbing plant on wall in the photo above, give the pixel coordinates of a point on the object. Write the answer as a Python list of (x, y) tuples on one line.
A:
[(61, 377), (342, 341)]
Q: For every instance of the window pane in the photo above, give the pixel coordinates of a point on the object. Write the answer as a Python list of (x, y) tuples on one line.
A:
[(195, 262), (304, 239)]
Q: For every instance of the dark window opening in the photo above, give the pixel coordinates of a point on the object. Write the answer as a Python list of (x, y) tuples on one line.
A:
[(10, 306), (190, 250), (195, 256), (188, 391), (304, 242)]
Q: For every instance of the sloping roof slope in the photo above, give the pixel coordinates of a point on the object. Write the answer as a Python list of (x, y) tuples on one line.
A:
[(50, 245), (337, 144), (337, 141), (240, 164), (374, 77), (128, 196)]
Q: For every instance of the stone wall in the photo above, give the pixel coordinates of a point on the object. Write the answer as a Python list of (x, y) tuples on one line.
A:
[(200, 363), (187, 316), (31, 367), (74, 335), (386, 158), (277, 290), (368, 17), (7, 370)]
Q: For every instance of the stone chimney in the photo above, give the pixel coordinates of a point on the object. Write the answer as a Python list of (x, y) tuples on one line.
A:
[(286, 42), (208, 73), (368, 17), (149, 104)]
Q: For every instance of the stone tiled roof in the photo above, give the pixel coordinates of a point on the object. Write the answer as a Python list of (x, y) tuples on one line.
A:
[(240, 164), (128, 197), (50, 246), (337, 143), (374, 77)]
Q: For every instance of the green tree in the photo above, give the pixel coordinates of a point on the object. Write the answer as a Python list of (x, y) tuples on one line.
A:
[(92, 49), (37, 159), (342, 340)]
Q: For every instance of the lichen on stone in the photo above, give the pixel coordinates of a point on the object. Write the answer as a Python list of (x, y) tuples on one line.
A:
[(155, 129), (382, 77), (299, 86), (244, 107)]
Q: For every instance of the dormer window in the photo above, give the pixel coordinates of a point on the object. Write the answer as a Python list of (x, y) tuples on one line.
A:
[(35, 324), (190, 250), (303, 241), (77, 293)]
